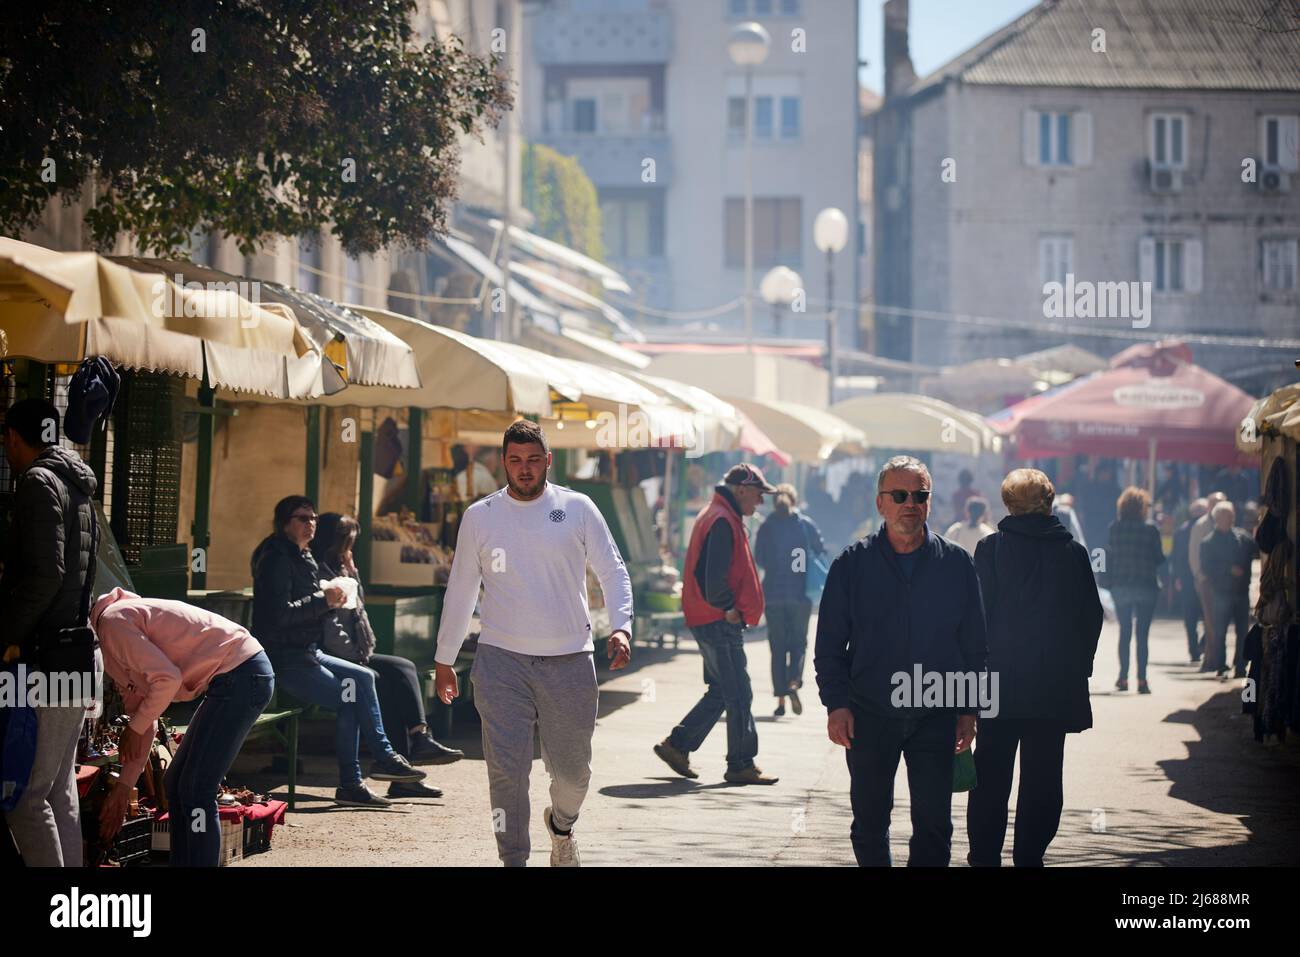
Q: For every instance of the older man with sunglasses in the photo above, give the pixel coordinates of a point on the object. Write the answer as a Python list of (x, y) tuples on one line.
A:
[(901, 603)]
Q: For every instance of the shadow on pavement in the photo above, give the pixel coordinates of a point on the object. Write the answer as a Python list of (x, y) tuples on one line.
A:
[(1225, 772)]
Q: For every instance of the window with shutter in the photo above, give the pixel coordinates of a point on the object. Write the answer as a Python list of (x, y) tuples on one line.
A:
[(1168, 140)]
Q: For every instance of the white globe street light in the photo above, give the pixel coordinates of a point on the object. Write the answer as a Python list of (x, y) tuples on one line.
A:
[(778, 289), (830, 235), (747, 45)]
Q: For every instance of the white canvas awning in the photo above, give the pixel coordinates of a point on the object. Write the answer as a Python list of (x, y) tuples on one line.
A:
[(806, 433), (918, 423), (64, 306), (562, 255)]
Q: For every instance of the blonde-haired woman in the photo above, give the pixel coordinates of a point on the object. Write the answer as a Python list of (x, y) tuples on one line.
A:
[(1044, 618), (1133, 553)]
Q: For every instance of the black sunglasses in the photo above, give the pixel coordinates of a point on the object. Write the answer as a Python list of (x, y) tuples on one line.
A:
[(920, 496)]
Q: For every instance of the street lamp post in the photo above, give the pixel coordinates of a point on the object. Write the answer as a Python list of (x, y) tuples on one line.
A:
[(778, 289), (830, 235), (747, 46)]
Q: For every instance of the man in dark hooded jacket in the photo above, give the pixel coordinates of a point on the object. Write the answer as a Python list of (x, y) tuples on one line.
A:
[(1044, 618), (45, 568)]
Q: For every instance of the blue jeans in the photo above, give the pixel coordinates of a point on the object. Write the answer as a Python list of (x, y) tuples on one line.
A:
[(722, 646), (926, 742), (1129, 602), (213, 739), (348, 689)]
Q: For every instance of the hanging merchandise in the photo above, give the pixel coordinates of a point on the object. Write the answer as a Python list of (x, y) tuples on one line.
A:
[(91, 396)]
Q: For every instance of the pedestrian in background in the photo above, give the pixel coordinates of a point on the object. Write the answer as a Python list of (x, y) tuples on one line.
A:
[(786, 542), (1188, 602), (1200, 530), (968, 533), (965, 492), (1133, 554), (49, 569), (1226, 557), (902, 601), (721, 597), (1044, 619)]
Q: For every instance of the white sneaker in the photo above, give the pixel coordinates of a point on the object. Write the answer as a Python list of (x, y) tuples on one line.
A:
[(564, 850)]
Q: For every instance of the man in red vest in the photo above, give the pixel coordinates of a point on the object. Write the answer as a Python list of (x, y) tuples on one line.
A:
[(721, 596)]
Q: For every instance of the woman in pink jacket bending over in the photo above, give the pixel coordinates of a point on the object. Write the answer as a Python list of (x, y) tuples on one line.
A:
[(158, 651)]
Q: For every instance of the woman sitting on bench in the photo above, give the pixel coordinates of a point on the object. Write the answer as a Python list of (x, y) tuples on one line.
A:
[(400, 698), (158, 651), (292, 610)]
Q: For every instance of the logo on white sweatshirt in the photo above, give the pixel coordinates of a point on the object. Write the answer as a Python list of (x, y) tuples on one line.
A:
[(557, 515)]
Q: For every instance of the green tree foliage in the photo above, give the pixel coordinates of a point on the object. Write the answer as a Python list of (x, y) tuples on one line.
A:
[(563, 199), (258, 118)]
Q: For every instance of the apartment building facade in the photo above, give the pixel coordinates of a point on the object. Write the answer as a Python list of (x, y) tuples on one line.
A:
[(645, 95), (1160, 150)]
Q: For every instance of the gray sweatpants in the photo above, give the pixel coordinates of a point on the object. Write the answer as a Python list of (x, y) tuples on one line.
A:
[(514, 694), (46, 824)]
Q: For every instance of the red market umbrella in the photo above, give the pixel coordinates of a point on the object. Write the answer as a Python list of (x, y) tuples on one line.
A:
[(1153, 403)]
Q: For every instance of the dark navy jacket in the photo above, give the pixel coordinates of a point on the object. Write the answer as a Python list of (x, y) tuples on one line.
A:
[(873, 622), (774, 550)]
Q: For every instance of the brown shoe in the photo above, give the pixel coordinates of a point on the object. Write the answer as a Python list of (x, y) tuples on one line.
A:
[(679, 761), (750, 775)]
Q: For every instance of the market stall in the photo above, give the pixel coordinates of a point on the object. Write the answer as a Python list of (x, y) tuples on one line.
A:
[(1271, 432), (1153, 404)]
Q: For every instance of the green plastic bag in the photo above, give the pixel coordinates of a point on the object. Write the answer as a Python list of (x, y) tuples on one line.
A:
[(963, 771)]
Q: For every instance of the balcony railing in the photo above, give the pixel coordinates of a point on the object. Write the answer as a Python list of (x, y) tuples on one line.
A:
[(583, 34)]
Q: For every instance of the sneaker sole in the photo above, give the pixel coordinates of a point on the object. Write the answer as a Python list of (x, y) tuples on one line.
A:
[(436, 760), (795, 704), (686, 773), (375, 804), (403, 778)]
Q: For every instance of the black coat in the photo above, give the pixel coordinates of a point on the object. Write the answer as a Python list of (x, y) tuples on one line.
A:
[(1044, 619), (48, 552), (873, 623), (289, 608)]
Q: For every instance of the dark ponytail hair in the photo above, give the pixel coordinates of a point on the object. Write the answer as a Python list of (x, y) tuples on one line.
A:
[(332, 532)]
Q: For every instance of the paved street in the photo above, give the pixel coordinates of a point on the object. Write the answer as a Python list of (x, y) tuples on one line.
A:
[(1174, 778)]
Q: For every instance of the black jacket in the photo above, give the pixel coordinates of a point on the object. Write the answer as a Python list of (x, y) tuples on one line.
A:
[(45, 569), (289, 607), (353, 639), (873, 623), (1044, 618)]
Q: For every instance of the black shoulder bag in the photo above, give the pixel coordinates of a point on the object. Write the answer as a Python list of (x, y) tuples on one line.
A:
[(72, 650)]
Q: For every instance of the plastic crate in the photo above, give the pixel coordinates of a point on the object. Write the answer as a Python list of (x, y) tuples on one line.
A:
[(257, 836), (133, 840), (162, 836), (232, 841)]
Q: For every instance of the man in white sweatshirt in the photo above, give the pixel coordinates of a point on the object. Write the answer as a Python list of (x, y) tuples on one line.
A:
[(528, 545)]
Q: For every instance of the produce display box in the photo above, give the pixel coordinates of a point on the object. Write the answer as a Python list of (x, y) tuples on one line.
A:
[(132, 841), (257, 836), (387, 567)]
